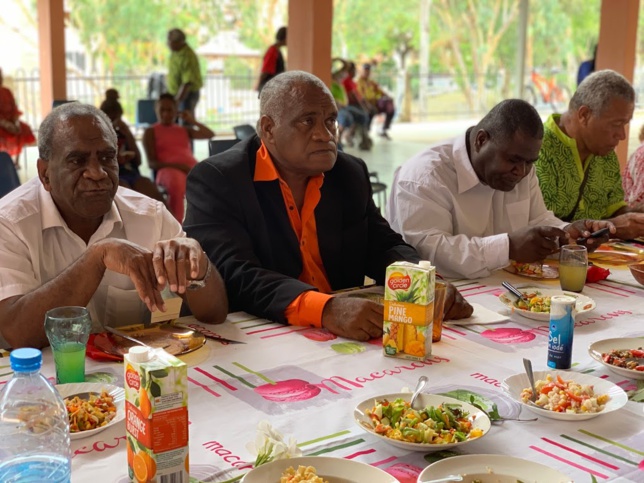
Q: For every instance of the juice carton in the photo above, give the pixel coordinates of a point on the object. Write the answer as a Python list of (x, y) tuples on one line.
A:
[(409, 310), (156, 416)]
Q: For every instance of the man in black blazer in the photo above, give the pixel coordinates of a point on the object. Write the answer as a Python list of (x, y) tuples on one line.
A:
[(287, 219)]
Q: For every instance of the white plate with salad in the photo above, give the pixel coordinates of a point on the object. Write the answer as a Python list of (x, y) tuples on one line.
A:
[(623, 356), (492, 468), (566, 395), (333, 470), (443, 422), (537, 306), (91, 415)]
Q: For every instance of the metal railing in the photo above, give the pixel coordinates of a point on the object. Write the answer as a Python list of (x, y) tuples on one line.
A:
[(230, 100)]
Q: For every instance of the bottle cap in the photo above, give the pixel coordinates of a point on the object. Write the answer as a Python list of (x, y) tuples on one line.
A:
[(425, 264), (25, 359), (139, 354)]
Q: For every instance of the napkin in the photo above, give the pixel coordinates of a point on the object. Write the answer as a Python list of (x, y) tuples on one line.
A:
[(172, 307), (97, 354), (480, 316), (595, 274)]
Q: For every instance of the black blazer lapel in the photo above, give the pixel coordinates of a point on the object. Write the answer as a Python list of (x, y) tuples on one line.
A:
[(329, 220)]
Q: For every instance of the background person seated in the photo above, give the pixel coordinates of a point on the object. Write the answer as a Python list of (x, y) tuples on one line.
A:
[(14, 134), (129, 156), (71, 236), (167, 147), (633, 179), (112, 94), (350, 118), (472, 204), (578, 169), (378, 100), (287, 219), (357, 105)]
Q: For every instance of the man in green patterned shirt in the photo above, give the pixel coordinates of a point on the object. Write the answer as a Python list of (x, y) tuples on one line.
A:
[(184, 74), (578, 170)]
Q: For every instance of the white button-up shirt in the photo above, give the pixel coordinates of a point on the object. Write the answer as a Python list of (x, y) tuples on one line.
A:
[(36, 245), (441, 207)]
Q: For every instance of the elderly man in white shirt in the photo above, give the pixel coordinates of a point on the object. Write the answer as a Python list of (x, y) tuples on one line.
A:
[(472, 204), (73, 237)]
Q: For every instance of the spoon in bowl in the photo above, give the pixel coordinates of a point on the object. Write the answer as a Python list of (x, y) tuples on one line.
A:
[(422, 381), (444, 479), (527, 363)]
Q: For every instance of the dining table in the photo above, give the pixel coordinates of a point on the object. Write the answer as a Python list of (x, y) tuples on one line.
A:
[(305, 382)]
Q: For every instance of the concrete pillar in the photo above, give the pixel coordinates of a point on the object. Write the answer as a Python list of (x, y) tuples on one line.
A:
[(617, 46), (51, 40), (310, 24)]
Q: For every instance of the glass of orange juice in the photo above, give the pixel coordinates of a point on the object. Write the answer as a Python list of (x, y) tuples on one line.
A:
[(573, 266), (439, 305)]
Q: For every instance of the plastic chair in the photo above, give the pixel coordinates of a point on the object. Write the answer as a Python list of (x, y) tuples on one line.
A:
[(145, 114), (379, 190), (9, 179), (216, 146), (244, 131)]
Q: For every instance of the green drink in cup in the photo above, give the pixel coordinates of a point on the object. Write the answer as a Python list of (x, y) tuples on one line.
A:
[(68, 329)]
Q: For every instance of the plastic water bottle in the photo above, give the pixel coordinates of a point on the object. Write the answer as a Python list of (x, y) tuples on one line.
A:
[(34, 426)]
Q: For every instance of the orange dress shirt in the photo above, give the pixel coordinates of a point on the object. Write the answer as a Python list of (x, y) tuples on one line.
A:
[(307, 308)]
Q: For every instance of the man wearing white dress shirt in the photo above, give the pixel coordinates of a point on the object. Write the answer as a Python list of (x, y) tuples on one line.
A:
[(472, 204), (73, 237)]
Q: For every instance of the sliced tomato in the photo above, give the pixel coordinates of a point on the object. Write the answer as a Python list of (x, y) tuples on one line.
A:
[(547, 388), (638, 353), (640, 368), (562, 406), (574, 397)]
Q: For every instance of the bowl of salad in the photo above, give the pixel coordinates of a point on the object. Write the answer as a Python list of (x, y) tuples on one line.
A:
[(536, 303), (435, 423), (566, 395)]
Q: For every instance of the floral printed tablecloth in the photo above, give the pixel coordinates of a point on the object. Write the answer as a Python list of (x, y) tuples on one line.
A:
[(306, 383)]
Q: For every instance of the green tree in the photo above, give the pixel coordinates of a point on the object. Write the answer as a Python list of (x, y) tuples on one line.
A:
[(470, 35), (372, 30), (130, 37)]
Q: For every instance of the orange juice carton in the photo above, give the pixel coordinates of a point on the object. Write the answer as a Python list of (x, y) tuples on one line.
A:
[(156, 416), (409, 310)]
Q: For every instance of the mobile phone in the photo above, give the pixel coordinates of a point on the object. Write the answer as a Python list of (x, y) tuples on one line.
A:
[(597, 234)]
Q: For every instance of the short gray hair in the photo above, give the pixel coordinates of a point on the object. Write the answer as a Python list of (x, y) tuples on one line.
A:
[(63, 113), (599, 88), (283, 90)]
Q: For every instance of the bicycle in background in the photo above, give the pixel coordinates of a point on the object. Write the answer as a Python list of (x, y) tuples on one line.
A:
[(546, 90)]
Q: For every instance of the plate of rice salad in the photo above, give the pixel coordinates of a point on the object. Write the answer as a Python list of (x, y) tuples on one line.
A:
[(566, 395), (88, 416), (316, 469), (442, 423)]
